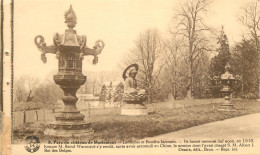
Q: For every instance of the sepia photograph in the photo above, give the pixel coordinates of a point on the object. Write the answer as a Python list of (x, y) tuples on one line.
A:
[(133, 76)]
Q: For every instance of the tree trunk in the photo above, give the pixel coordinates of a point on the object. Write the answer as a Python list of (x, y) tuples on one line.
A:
[(258, 72), (29, 98), (189, 93), (174, 91), (149, 96)]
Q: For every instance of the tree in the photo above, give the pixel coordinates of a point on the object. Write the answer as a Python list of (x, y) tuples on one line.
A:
[(119, 92), (191, 27), (219, 62), (250, 18), (30, 94), (32, 84), (147, 54), (244, 63), (174, 66), (24, 88), (201, 67), (19, 90), (102, 95), (47, 94)]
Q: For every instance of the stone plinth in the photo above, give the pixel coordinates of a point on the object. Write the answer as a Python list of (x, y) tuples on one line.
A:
[(134, 105), (134, 109), (69, 124), (227, 107)]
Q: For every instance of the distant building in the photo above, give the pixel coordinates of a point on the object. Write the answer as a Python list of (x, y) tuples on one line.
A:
[(87, 97), (85, 100)]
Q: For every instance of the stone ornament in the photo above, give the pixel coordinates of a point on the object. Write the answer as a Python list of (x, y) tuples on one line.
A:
[(227, 80), (133, 96), (70, 49)]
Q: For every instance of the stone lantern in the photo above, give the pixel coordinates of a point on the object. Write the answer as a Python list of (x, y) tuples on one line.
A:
[(70, 49), (227, 80)]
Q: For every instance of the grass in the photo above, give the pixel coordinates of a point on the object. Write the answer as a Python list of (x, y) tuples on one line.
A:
[(109, 125)]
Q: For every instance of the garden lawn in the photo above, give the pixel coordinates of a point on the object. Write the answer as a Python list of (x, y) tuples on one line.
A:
[(109, 125)]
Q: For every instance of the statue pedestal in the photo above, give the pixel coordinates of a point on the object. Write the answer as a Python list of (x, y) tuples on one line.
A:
[(134, 109), (227, 107)]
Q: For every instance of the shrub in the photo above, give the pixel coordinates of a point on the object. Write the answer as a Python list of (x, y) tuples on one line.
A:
[(249, 96)]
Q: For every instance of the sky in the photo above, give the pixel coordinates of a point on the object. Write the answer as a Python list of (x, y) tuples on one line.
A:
[(117, 22)]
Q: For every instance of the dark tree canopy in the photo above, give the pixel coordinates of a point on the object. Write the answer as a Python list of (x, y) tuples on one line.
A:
[(218, 62), (245, 63)]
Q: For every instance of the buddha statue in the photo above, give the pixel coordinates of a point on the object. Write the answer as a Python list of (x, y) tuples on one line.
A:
[(132, 93)]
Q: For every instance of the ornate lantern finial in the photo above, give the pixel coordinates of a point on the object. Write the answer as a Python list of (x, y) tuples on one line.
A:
[(70, 18), (227, 67)]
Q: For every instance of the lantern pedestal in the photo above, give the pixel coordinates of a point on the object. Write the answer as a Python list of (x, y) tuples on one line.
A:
[(69, 129), (227, 105)]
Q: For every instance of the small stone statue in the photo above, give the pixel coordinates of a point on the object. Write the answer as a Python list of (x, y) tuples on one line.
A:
[(133, 96), (130, 82)]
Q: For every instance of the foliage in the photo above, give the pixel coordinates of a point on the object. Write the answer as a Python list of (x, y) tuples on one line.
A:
[(119, 92), (48, 94), (44, 96), (147, 54), (218, 63), (249, 96), (191, 28), (102, 95), (174, 75), (249, 17), (24, 88), (245, 63), (31, 105)]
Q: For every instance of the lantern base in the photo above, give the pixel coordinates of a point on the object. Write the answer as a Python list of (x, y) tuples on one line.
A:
[(227, 107), (69, 129)]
